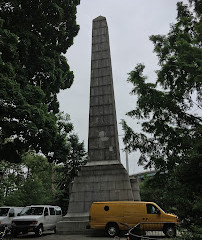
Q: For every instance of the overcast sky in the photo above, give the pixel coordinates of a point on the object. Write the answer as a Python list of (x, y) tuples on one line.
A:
[(130, 24)]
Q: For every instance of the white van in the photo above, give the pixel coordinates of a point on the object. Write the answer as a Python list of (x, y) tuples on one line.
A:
[(37, 218), (7, 214)]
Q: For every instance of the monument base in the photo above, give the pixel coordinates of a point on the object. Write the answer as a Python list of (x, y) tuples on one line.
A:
[(72, 227), (95, 183)]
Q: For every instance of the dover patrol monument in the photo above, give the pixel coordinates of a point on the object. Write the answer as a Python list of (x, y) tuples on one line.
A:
[(103, 178)]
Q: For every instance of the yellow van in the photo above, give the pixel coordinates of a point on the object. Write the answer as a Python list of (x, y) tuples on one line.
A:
[(112, 216)]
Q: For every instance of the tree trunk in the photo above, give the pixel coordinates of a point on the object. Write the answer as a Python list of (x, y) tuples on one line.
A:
[(53, 190)]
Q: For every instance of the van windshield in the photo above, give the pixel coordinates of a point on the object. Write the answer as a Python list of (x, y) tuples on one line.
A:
[(161, 209), (32, 211), (4, 212)]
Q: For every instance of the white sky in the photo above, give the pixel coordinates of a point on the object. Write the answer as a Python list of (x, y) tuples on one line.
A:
[(130, 24)]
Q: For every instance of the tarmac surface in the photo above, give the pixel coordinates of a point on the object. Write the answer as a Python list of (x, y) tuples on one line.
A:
[(49, 235), (52, 236)]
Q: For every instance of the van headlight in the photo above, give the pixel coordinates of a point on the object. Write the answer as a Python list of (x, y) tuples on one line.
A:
[(35, 222)]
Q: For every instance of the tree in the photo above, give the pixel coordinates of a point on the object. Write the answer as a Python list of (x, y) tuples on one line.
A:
[(34, 35), (27, 183), (68, 170), (41, 180), (156, 189), (32, 181), (170, 113), (13, 176)]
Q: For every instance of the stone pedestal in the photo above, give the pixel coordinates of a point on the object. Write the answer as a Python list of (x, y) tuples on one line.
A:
[(95, 183), (135, 188)]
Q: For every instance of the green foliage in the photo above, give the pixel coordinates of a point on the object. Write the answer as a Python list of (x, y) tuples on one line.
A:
[(170, 115), (36, 180), (60, 145), (66, 171), (153, 189), (34, 35), (26, 183)]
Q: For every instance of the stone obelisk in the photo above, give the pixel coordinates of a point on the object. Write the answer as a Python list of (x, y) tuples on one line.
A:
[(103, 178), (103, 146)]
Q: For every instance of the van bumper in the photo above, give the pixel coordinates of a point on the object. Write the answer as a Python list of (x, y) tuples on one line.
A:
[(24, 228)]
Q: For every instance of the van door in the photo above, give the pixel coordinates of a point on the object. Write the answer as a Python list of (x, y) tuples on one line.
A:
[(46, 223), (133, 214), (152, 218), (52, 217)]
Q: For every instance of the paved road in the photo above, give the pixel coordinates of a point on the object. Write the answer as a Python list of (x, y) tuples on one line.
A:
[(52, 236)]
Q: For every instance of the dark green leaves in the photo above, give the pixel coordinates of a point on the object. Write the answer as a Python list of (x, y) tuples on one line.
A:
[(170, 115), (33, 36)]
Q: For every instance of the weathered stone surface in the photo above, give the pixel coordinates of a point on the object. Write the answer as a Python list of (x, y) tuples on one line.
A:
[(99, 183), (72, 227), (135, 188), (102, 144), (103, 178)]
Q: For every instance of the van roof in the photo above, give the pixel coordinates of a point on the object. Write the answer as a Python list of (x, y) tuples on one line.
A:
[(10, 207), (123, 202), (42, 206)]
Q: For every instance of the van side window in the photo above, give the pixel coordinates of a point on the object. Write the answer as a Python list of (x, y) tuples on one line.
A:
[(4, 212), (106, 208), (151, 209), (46, 212), (58, 211), (52, 211)]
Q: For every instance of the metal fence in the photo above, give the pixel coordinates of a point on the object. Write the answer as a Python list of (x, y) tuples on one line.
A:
[(152, 231), (164, 231)]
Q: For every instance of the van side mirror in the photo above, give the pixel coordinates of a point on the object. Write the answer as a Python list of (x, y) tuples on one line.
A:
[(11, 214)]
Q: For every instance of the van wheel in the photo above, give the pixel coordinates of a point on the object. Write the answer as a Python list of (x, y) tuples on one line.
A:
[(39, 231), (112, 230), (169, 231), (54, 230)]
